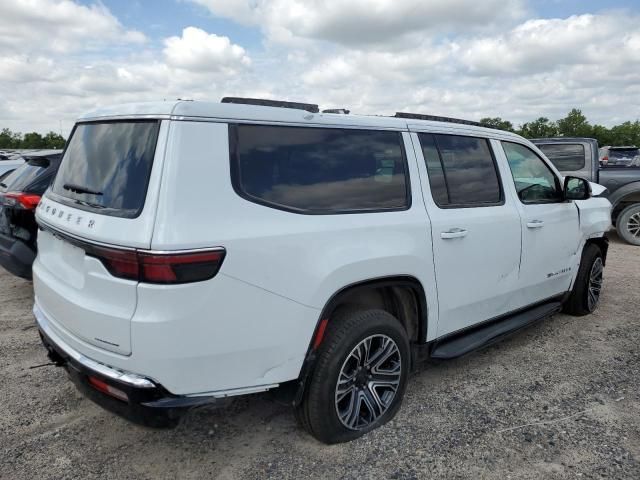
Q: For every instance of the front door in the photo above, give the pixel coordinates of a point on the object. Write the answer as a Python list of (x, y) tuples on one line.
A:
[(550, 226), (476, 233)]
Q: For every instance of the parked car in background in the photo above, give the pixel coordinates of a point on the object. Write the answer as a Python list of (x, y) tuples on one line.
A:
[(9, 160), (616, 168), (194, 251), (20, 192), (620, 156)]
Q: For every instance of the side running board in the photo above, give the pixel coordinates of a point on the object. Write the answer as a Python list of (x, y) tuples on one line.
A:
[(470, 340)]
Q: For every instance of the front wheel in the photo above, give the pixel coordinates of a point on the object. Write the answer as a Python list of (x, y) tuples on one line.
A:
[(585, 296), (628, 224), (359, 378)]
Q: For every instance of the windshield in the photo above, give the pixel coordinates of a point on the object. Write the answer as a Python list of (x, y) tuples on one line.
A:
[(106, 166)]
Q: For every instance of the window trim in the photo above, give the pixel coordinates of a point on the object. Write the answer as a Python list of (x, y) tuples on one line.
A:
[(111, 212), (501, 200), (234, 162), (559, 185)]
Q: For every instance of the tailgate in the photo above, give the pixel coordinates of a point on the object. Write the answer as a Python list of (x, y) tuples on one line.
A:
[(105, 194), (81, 297)]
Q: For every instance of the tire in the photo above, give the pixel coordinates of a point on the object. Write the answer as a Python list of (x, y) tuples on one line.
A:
[(585, 296), (628, 224), (324, 411)]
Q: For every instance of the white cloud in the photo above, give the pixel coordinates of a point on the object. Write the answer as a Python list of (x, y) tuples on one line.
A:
[(359, 22), (537, 67), (546, 44), (59, 26), (199, 51)]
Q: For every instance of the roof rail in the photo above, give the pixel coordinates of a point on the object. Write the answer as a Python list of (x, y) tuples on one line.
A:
[(309, 107), (343, 111), (435, 118)]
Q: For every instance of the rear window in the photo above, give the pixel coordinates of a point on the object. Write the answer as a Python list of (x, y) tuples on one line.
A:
[(106, 166), (623, 157), (319, 170), (565, 157), (31, 177)]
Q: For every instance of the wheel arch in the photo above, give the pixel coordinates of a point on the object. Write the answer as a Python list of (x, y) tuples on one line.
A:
[(393, 288), (625, 195), (602, 243), (392, 292)]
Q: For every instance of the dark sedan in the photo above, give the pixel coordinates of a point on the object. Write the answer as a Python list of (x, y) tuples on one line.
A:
[(20, 193)]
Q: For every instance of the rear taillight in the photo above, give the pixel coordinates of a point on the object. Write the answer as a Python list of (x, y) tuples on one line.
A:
[(26, 201), (159, 267)]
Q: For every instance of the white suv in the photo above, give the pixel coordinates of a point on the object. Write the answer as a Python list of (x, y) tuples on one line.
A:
[(194, 251)]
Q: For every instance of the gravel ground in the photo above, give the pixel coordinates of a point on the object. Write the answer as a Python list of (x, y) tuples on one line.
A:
[(559, 400)]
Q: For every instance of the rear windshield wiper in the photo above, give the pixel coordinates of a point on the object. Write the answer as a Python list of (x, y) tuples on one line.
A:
[(88, 204), (80, 189), (2, 184)]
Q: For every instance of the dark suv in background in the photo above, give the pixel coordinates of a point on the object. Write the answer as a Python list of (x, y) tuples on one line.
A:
[(620, 156), (20, 193), (616, 168)]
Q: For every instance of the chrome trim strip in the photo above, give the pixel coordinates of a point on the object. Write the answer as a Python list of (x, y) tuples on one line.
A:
[(56, 232), (132, 116), (132, 379), (60, 234)]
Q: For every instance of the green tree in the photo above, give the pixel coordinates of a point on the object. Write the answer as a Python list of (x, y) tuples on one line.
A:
[(497, 122), (627, 133), (33, 140), (540, 128), (9, 139), (54, 140), (575, 124), (602, 134)]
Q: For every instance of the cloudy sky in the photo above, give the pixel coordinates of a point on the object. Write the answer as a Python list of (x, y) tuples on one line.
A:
[(518, 59)]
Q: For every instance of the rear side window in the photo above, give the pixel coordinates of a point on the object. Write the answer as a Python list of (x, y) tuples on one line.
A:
[(106, 167), (462, 171), (319, 170), (566, 157)]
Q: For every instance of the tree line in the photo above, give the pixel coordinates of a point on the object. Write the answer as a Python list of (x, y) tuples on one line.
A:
[(575, 124), (11, 140)]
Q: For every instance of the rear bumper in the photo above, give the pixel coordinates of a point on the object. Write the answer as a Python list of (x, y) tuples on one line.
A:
[(148, 403), (16, 256)]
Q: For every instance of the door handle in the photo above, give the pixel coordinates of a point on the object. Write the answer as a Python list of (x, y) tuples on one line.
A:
[(535, 224), (454, 233)]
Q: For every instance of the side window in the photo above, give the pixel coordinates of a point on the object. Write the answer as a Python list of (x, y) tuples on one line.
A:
[(534, 180), (319, 170), (565, 157), (462, 171)]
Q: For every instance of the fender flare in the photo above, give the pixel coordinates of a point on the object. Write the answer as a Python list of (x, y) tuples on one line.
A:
[(617, 196), (410, 281)]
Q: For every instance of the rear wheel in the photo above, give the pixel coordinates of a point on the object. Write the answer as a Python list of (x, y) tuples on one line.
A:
[(359, 378), (628, 224), (585, 296)]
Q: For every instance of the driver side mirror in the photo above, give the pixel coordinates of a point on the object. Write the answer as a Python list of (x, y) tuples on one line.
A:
[(576, 188)]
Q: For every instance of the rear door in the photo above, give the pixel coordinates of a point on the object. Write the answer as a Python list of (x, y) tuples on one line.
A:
[(550, 226), (475, 231), (105, 194)]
